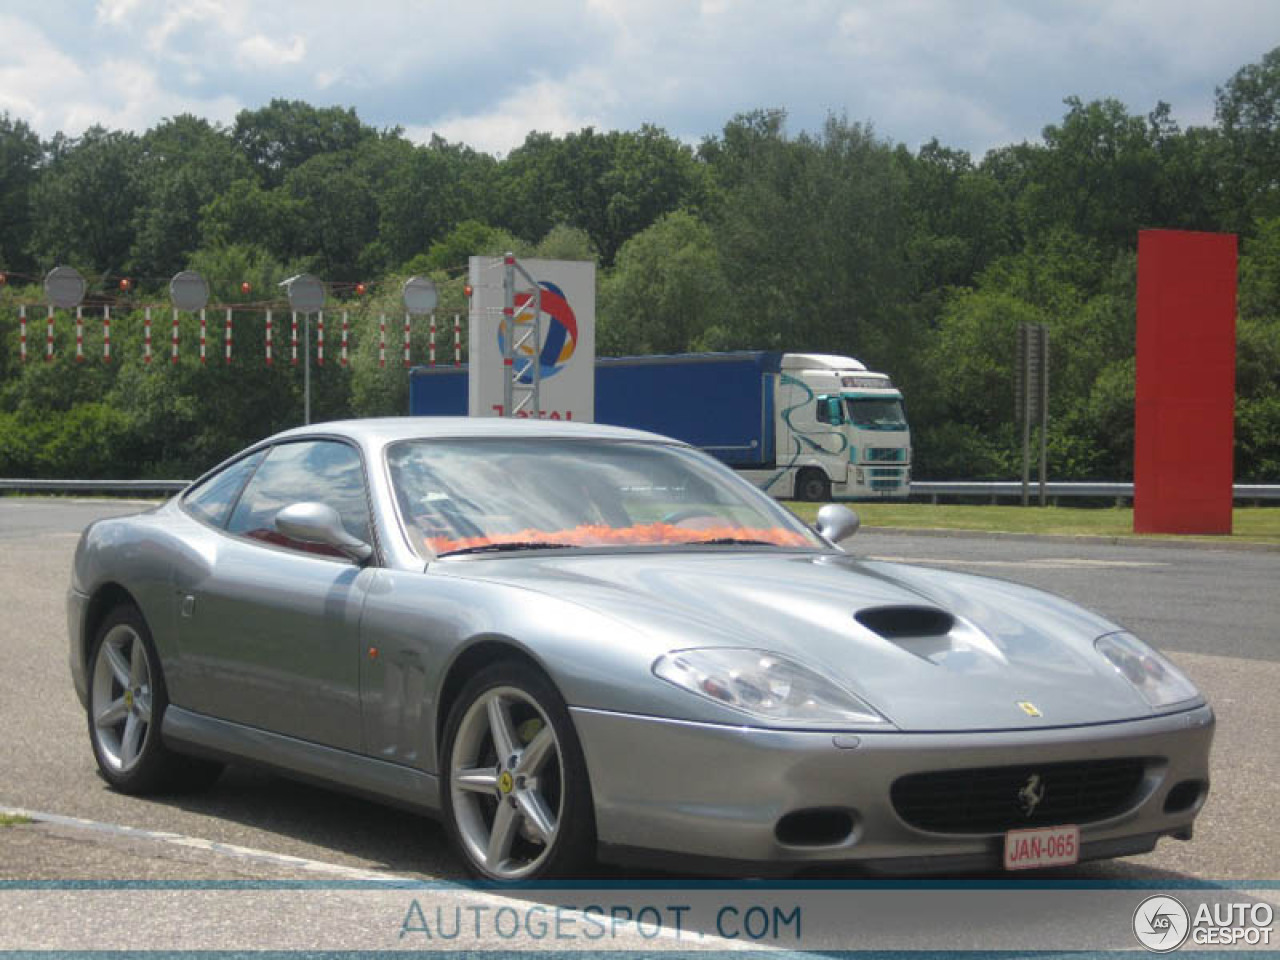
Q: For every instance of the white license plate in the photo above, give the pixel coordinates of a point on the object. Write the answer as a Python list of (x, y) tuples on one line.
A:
[(1041, 847)]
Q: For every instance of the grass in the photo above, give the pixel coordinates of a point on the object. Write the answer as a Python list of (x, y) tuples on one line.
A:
[(13, 820), (1252, 524)]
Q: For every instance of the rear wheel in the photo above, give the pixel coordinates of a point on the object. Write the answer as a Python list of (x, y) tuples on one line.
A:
[(517, 800), (127, 700), (813, 486)]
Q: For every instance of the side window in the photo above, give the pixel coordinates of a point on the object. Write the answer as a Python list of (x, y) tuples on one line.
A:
[(212, 500), (323, 471), (829, 410)]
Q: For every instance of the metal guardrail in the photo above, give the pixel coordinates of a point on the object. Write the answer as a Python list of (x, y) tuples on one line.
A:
[(94, 486), (934, 489)]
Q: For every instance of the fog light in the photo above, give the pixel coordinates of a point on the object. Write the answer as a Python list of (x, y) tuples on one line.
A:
[(814, 828), (1185, 795)]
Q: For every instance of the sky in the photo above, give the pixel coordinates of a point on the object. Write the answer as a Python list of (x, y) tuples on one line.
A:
[(975, 74)]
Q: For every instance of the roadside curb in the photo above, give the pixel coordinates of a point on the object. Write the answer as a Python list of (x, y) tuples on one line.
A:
[(1082, 539)]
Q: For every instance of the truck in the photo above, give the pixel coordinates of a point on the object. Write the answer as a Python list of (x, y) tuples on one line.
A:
[(803, 426)]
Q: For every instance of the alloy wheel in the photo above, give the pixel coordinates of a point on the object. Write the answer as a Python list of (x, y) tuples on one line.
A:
[(506, 783), (121, 698)]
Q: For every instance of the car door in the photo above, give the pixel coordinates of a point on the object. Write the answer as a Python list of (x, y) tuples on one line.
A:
[(269, 627)]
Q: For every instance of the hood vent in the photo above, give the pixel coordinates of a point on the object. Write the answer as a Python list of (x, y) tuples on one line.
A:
[(903, 623)]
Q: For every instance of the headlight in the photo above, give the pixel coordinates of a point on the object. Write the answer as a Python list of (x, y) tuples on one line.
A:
[(764, 685), (1159, 681)]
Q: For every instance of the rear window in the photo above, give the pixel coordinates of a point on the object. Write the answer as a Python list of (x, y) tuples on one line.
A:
[(211, 500)]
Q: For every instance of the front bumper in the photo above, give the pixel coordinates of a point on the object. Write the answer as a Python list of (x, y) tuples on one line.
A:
[(691, 791)]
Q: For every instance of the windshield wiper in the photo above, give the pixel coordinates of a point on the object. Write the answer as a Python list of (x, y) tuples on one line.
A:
[(720, 541), (505, 547)]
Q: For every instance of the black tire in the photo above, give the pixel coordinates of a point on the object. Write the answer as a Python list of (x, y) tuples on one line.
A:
[(559, 781), (146, 765), (813, 486)]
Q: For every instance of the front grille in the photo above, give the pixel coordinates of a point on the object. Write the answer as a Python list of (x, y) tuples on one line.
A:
[(886, 454), (995, 799)]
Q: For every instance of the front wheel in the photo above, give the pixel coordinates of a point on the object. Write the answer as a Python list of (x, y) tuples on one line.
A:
[(517, 800)]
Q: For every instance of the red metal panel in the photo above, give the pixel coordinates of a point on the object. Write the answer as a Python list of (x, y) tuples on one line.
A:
[(1186, 382)]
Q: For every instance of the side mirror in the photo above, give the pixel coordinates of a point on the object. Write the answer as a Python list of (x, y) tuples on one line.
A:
[(837, 522), (835, 415), (320, 523)]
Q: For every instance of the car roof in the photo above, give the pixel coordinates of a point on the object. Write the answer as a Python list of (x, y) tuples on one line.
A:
[(384, 430)]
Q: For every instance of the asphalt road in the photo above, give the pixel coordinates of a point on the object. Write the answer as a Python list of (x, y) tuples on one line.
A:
[(1217, 611)]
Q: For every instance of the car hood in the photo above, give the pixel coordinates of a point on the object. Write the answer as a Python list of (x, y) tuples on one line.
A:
[(931, 650)]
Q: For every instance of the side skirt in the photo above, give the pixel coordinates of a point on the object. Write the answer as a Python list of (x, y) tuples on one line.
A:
[(201, 735)]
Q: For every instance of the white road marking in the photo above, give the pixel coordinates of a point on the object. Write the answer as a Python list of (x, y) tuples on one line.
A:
[(336, 870), (213, 846), (1045, 563)]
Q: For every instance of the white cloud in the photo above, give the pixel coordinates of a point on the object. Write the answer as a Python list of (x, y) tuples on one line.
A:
[(974, 75), (260, 51), (115, 11), (548, 106), (53, 91)]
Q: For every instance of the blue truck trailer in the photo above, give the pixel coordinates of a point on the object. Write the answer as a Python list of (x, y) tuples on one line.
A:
[(803, 426)]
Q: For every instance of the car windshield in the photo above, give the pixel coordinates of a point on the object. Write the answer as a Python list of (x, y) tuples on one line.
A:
[(504, 494), (876, 413)]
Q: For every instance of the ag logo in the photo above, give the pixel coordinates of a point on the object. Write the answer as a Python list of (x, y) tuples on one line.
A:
[(1161, 924), (1031, 794)]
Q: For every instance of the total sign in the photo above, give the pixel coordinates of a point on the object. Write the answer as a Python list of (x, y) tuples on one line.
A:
[(567, 360)]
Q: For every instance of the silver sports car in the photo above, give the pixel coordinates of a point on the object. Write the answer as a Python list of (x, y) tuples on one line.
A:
[(575, 642)]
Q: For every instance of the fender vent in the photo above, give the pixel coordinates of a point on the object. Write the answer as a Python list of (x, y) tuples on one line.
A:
[(896, 623)]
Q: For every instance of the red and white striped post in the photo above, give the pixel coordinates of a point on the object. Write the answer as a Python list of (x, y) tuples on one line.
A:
[(227, 340), (204, 331), (174, 357), (106, 334), (268, 338), (146, 335), (382, 340), (293, 337), (22, 331), (431, 353), (457, 340), (48, 338), (345, 330), (79, 335), (408, 360), (320, 338)]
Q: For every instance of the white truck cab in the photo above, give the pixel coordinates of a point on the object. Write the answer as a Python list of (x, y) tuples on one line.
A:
[(841, 431)]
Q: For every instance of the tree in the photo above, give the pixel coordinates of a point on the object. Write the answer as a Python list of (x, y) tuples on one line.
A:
[(667, 294), (85, 201), (811, 236), (285, 134), (185, 164), (20, 157), (337, 214), (1247, 110), (1097, 176)]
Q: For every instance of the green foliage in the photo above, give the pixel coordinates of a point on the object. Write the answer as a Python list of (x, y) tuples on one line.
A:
[(20, 157), (667, 293), (921, 263), (84, 203)]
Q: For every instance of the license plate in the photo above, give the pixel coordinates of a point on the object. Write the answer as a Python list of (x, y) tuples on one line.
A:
[(1041, 847)]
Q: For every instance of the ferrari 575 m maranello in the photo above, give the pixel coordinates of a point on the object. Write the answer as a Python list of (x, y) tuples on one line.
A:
[(576, 643)]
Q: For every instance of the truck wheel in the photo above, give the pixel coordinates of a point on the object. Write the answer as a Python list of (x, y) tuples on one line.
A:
[(813, 486)]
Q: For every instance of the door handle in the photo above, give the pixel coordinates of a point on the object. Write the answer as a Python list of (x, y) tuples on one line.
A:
[(188, 605)]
